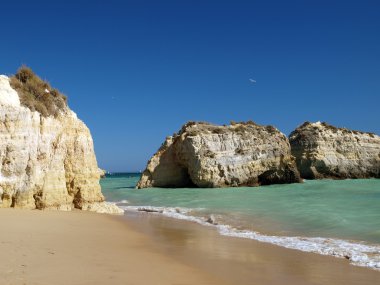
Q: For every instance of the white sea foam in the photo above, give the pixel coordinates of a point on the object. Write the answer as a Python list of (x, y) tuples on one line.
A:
[(359, 254), (122, 202)]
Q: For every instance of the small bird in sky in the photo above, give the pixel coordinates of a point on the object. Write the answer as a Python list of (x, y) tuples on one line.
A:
[(252, 80)]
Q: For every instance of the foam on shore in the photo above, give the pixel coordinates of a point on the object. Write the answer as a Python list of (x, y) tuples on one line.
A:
[(358, 253)]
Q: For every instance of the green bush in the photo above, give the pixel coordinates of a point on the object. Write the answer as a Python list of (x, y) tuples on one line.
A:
[(37, 94)]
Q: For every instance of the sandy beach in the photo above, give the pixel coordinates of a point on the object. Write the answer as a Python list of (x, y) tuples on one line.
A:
[(245, 261), (48, 247), (190, 142)]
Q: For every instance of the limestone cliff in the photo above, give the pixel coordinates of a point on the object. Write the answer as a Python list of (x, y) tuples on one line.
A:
[(324, 151), (46, 162), (204, 155)]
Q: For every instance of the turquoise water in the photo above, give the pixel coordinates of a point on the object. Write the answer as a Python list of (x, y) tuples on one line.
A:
[(343, 209), (329, 217)]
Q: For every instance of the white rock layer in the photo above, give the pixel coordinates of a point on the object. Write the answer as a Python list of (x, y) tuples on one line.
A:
[(45, 162)]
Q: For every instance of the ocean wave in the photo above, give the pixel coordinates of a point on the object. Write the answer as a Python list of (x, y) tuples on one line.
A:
[(359, 254)]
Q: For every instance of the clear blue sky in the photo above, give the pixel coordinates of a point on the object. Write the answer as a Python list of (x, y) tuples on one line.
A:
[(135, 71)]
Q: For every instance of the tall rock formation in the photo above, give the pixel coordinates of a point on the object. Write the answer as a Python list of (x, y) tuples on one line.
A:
[(324, 151), (46, 162), (205, 155)]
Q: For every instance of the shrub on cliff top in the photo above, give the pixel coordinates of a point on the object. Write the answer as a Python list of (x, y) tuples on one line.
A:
[(37, 94), (247, 123)]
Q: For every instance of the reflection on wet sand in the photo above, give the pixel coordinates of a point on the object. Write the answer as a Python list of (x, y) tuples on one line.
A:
[(240, 261)]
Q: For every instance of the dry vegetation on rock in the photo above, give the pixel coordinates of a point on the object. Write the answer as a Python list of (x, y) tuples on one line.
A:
[(37, 94)]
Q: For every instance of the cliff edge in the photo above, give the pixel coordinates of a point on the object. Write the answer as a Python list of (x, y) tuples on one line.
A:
[(325, 151), (205, 155), (47, 160)]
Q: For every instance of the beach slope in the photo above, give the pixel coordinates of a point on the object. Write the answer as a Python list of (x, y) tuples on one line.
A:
[(52, 247)]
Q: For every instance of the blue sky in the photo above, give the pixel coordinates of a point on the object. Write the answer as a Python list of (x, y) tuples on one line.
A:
[(135, 71)]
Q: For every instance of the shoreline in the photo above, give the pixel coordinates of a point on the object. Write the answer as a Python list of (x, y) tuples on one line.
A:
[(246, 261), (54, 247), (359, 253), (51, 247)]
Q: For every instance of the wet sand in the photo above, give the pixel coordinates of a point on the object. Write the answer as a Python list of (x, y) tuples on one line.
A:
[(47, 247), (245, 261)]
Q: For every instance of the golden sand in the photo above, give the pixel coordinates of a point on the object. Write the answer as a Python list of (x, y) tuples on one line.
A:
[(48, 247)]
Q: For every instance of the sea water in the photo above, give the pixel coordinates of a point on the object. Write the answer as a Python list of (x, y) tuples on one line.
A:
[(331, 217)]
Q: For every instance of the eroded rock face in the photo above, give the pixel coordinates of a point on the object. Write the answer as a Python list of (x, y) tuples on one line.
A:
[(324, 151), (204, 155), (45, 162)]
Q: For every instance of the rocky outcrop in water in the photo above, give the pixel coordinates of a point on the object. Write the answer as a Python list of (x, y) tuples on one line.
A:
[(205, 155), (102, 173), (324, 151), (46, 162)]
